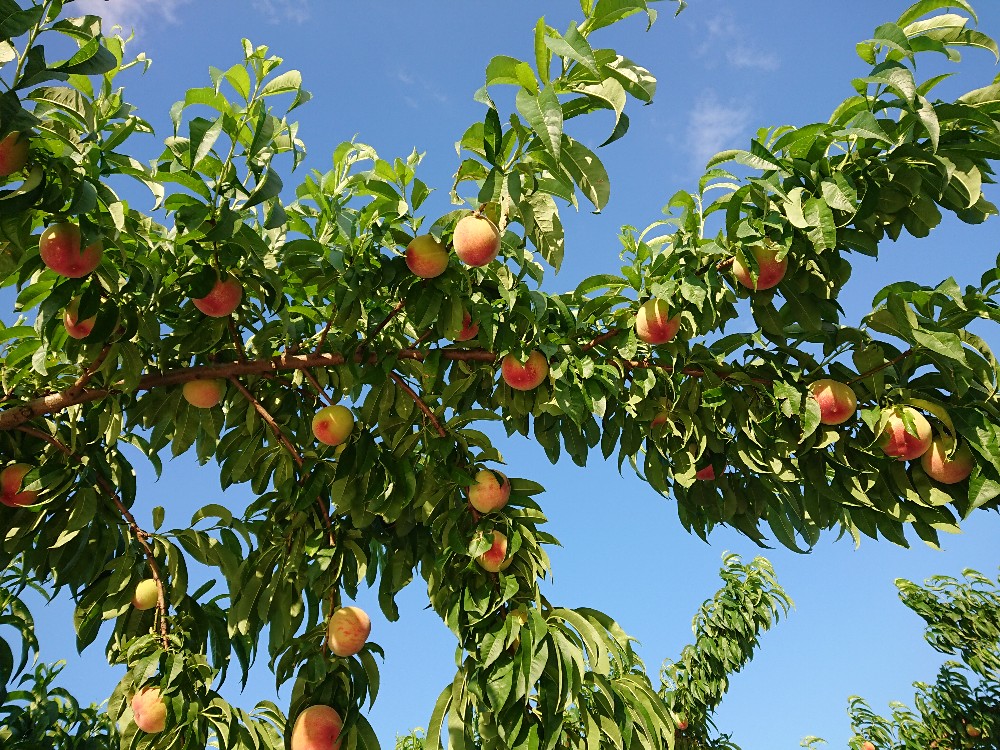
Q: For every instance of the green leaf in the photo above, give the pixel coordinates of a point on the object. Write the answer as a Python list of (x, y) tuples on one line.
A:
[(573, 46), (587, 171), (544, 114)]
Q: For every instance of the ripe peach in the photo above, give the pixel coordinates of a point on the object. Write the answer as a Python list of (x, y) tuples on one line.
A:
[(10, 486), (661, 418), (706, 474), (317, 728), (76, 328), (837, 401), (527, 375), (972, 731), (469, 329), (333, 424), (898, 442), (13, 153), (867, 746), (654, 324), (59, 246), (426, 257), (204, 393), (146, 595), (347, 630), (476, 240), (495, 558), (490, 492), (769, 271), (149, 710), (940, 468), (222, 300), (681, 723)]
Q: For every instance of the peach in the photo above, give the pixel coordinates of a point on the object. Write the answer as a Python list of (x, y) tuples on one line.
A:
[(60, 248), (222, 300), (426, 257), (897, 441), (146, 595), (469, 329), (76, 328), (524, 376), (10, 486), (204, 393), (13, 154), (476, 240), (946, 470), (867, 746), (347, 630), (332, 425), (837, 401), (769, 271), (705, 474), (317, 728), (490, 492), (972, 731), (495, 558), (661, 418), (149, 710), (654, 324)]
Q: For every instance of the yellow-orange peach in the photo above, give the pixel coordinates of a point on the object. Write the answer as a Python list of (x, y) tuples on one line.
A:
[(524, 376), (60, 248), (317, 728), (347, 630), (222, 300), (13, 153), (76, 328), (946, 470), (770, 272), (204, 394), (490, 491), (149, 710), (654, 324), (898, 442), (837, 401), (426, 257), (10, 486), (146, 594), (495, 558), (332, 425), (476, 240)]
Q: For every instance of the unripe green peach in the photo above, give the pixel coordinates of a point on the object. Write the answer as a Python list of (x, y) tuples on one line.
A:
[(332, 425), (146, 594)]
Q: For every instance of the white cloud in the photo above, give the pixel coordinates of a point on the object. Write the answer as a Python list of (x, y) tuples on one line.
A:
[(723, 37), (129, 14), (276, 11), (714, 126), (420, 89)]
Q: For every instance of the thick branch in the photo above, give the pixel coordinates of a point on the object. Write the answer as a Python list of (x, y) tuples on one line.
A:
[(140, 534)]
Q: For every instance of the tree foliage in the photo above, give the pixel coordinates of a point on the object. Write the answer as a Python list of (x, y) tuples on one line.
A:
[(329, 312)]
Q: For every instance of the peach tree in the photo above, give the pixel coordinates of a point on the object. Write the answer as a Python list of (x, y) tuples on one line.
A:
[(336, 349)]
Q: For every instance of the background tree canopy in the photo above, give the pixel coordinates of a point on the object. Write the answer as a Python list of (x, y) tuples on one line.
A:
[(341, 352)]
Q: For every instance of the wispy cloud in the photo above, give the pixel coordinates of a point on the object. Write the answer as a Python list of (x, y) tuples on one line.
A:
[(131, 15), (276, 11), (714, 126), (724, 38), (420, 89)]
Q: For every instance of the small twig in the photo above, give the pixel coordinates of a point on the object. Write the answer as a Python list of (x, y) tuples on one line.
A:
[(419, 402), (323, 335), (598, 340), (381, 326), (237, 339), (141, 535), (90, 371), (884, 365), (266, 416), (319, 389)]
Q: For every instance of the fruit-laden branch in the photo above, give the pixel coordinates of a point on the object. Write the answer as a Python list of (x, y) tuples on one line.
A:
[(140, 534), (55, 402)]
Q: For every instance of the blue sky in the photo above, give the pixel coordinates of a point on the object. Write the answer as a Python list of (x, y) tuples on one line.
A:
[(401, 75)]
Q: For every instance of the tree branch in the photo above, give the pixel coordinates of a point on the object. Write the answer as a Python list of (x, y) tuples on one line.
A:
[(883, 366), (266, 416), (140, 534), (419, 402)]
